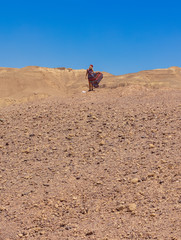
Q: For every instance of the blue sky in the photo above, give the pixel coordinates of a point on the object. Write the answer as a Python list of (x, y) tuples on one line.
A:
[(115, 36)]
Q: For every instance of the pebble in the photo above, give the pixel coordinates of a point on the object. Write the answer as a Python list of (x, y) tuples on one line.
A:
[(2, 209), (26, 150), (120, 208), (102, 143), (20, 235), (151, 146), (89, 233), (151, 174), (132, 207), (163, 161), (135, 180)]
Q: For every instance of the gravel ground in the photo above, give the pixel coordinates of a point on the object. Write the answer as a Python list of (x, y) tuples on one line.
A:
[(102, 165)]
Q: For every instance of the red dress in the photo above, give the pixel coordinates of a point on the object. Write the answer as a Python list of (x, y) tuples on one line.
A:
[(94, 78)]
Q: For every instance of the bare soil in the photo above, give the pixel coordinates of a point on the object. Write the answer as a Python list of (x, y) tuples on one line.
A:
[(102, 165), (34, 83)]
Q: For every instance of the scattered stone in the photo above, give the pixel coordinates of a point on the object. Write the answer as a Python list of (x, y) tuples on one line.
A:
[(170, 166), (26, 150), (151, 145), (2, 209), (135, 180), (163, 161), (46, 184), (102, 143), (93, 184), (143, 179), (120, 208), (131, 207), (151, 175), (69, 138), (31, 135), (20, 235), (89, 233), (68, 227)]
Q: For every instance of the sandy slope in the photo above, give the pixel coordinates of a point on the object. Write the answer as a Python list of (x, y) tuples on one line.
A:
[(21, 85), (103, 165), (31, 83)]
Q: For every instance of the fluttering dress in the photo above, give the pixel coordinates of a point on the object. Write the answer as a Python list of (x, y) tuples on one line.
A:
[(94, 78)]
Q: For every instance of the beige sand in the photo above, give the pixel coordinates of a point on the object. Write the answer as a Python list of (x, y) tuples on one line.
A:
[(31, 83)]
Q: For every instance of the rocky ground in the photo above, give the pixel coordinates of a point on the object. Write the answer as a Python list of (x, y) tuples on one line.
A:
[(102, 165)]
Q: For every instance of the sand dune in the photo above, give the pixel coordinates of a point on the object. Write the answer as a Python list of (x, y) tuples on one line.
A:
[(29, 83)]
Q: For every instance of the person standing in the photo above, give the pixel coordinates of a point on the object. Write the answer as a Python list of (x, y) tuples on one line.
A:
[(94, 78)]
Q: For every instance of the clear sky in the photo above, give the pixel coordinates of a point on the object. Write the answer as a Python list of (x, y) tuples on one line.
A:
[(115, 36)]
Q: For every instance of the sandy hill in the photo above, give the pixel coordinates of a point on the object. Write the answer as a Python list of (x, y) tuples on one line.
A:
[(29, 83), (158, 78)]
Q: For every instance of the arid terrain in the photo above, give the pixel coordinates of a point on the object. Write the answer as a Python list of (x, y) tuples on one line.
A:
[(102, 165), (34, 83)]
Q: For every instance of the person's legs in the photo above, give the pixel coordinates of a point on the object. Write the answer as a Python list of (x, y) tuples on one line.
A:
[(90, 86)]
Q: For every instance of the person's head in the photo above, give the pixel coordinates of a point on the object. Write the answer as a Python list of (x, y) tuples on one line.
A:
[(91, 66)]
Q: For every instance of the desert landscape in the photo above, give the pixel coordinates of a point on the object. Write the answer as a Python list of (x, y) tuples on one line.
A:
[(102, 165), (33, 83)]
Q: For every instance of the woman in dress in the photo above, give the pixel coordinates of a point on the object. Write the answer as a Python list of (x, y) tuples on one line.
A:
[(94, 78)]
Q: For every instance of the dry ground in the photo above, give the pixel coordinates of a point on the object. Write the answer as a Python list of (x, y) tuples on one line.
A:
[(34, 83), (103, 165)]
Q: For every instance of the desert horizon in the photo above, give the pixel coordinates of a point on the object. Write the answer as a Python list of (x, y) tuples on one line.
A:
[(34, 82)]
